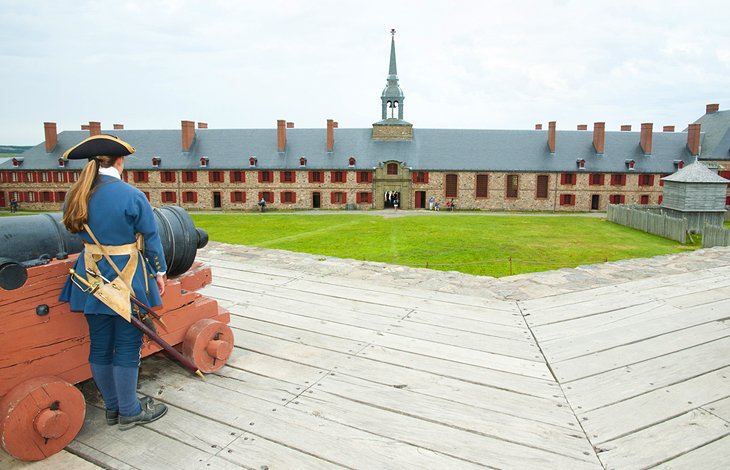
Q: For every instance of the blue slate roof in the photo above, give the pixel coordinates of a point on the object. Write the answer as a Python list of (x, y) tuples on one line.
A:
[(430, 150), (716, 127)]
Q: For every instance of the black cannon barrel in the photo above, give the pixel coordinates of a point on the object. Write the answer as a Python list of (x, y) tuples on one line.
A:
[(26, 241)]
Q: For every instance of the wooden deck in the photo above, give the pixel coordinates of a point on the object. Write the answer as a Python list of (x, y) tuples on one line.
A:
[(334, 372)]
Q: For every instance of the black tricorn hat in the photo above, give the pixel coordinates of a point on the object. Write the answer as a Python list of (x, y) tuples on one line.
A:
[(99, 145)]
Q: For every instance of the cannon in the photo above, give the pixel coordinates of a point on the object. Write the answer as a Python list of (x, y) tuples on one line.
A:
[(33, 240), (44, 347)]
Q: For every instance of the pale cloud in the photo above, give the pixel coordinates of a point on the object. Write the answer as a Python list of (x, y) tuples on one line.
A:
[(462, 64)]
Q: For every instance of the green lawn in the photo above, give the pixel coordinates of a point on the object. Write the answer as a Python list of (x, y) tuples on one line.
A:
[(473, 244)]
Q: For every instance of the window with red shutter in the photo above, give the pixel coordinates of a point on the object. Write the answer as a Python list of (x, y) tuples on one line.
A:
[(482, 185)]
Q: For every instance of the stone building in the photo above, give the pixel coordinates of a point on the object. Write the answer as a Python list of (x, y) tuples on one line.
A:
[(336, 168)]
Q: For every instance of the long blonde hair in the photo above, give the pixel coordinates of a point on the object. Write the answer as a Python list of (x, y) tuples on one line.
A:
[(76, 212)]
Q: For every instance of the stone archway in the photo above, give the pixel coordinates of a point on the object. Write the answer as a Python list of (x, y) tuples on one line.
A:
[(392, 179)]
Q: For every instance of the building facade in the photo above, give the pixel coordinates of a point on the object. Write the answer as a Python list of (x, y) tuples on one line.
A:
[(200, 168)]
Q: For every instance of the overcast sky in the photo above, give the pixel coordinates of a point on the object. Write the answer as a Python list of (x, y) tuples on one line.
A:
[(462, 64)]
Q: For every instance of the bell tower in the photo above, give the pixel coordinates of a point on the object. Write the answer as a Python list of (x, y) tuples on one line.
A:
[(392, 126)]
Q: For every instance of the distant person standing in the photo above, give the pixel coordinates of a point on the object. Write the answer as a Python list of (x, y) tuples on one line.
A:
[(431, 202), (13, 205)]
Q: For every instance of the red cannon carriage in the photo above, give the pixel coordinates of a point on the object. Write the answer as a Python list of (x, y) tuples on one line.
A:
[(44, 347)]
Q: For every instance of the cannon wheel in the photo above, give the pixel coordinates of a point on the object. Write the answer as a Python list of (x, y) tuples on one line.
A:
[(208, 343), (40, 417)]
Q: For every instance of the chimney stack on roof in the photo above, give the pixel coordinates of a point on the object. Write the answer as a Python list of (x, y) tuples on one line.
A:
[(94, 128), (336, 125), (330, 135), (289, 125), (645, 138), (712, 108), (551, 136), (599, 136), (84, 127), (625, 127), (51, 136), (582, 127), (202, 125), (538, 127), (668, 129), (118, 127), (693, 139), (280, 135), (188, 134)]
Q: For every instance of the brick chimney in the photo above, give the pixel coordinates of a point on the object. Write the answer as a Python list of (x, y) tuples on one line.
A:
[(538, 127), (551, 136), (693, 139), (51, 136), (118, 127), (202, 125), (84, 127), (625, 127), (290, 125), (94, 128), (330, 135), (188, 134), (599, 136), (582, 127), (668, 129), (280, 135), (336, 125), (645, 138), (712, 108)]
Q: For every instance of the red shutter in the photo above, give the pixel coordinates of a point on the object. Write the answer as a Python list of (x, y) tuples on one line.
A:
[(370, 198), (195, 196), (293, 197), (603, 179), (344, 177), (281, 177), (426, 178), (358, 198), (261, 179), (210, 177), (332, 198), (332, 176), (310, 176), (281, 196), (174, 198), (233, 196), (415, 177), (230, 176), (651, 180), (344, 198), (357, 177)]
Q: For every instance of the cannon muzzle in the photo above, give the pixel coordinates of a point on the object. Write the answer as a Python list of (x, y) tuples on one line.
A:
[(27, 241)]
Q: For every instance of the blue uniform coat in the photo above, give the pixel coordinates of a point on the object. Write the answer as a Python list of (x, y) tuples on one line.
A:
[(117, 212)]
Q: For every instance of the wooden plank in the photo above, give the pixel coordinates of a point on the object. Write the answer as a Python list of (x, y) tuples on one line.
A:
[(470, 446), (61, 460), (585, 366), (712, 455), (301, 432), (560, 440), (543, 388), (553, 410), (599, 300), (638, 378), (534, 368), (720, 408), (607, 338), (628, 416), (140, 447), (665, 441)]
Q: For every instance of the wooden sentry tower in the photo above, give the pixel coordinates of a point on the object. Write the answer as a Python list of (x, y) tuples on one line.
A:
[(697, 194)]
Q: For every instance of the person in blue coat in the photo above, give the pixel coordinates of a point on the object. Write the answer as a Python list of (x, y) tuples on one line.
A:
[(120, 217)]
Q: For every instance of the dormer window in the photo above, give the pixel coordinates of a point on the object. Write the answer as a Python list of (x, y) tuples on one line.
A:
[(679, 164), (302, 161), (581, 164), (61, 162), (352, 161), (252, 161), (157, 160), (630, 164), (17, 161), (204, 161)]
